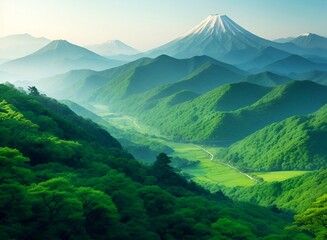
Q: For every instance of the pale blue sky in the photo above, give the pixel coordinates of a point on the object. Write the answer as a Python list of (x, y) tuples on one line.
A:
[(149, 23)]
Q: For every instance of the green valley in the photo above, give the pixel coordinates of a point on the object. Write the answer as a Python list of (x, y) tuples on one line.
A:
[(60, 176), (217, 134)]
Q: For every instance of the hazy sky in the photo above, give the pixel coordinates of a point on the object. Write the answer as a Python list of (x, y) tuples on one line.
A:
[(149, 23)]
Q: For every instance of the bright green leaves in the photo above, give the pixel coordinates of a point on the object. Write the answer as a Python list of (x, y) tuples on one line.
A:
[(12, 166), (314, 219)]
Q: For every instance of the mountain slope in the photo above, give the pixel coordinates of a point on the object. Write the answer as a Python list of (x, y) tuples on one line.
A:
[(267, 79), (294, 64), (79, 85), (316, 76), (264, 57), (310, 40), (296, 193), (227, 113), (196, 119), (203, 79), (59, 56), (217, 36), (61, 173), (297, 143), (159, 71), (19, 45), (113, 47)]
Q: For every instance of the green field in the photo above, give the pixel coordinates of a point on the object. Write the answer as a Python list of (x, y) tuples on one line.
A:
[(208, 173), (279, 175)]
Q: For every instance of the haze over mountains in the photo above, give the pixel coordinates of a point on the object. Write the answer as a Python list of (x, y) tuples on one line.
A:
[(58, 56), (217, 36), (19, 45), (242, 116), (112, 47), (306, 40)]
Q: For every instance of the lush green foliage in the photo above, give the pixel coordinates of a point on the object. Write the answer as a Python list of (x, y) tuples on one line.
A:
[(314, 218), (227, 113), (295, 143), (63, 177), (295, 194)]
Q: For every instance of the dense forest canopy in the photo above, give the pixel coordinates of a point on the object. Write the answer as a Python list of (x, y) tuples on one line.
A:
[(74, 181)]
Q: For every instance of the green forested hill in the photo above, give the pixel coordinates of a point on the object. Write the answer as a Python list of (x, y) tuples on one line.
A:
[(63, 177), (139, 76), (227, 113), (297, 143), (268, 79), (295, 194)]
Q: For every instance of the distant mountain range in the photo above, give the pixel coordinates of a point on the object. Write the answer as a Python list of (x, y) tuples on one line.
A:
[(255, 152), (306, 40), (140, 76), (216, 101), (19, 45), (221, 38), (294, 64), (218, 37), (58, 56), (113, 47)]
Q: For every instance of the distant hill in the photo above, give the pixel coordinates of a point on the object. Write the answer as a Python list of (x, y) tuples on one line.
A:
[(268, 79), (20, 45), (227, 113), (59, 56), (264, 57), (113, 47), (203, 79), (310, 40), (297, 143), (294, 64), (284, 40), (139, 76), (316, 76)]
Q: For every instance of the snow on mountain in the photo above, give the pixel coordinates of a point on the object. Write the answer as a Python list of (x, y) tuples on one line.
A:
[(310, 40), (217, 36), (113, 47), (284, 40), (19, 45)]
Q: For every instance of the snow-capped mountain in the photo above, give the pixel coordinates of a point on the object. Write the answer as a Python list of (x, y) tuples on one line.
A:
[(113, 47), (284, 40), (310, 40), (19, 45), (58, 56), (216, 36)]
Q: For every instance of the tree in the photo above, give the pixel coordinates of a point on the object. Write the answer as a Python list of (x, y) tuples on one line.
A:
[(161, 168), (12, 166), (32, 90), (314, 219)]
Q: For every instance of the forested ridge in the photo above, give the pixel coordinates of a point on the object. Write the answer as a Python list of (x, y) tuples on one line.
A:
[(63, 177), (297, 143)]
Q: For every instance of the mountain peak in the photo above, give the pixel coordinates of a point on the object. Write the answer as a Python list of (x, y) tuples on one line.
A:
[(56, 44), (64, 48), (216, 36), (310, 40), (114, 41), (213, 24), (113, 47), (306, 34)]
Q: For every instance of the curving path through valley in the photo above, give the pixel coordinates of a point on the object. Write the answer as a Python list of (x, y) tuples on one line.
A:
[(226, 164)]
